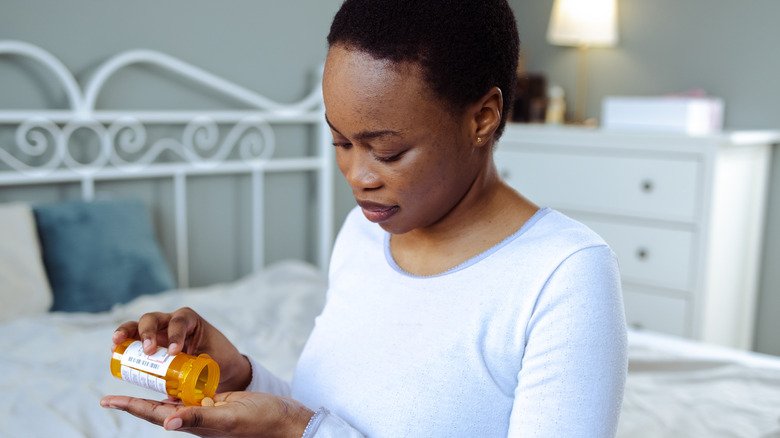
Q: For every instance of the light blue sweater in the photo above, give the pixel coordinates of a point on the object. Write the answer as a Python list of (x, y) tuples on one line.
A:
[(527, 339)]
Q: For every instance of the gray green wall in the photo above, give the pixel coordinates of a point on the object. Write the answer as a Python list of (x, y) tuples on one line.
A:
[(274, 48), (268, 46), (723, 46), (728, 48)]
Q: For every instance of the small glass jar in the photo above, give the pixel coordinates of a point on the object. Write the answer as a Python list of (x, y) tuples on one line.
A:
[(184, 376)]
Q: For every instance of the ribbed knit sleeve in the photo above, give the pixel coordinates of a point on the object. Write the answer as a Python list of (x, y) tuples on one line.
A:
[(264, 381), (573, 370)]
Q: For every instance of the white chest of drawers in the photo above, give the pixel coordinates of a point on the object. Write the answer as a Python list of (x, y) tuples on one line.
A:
[(685, 216)]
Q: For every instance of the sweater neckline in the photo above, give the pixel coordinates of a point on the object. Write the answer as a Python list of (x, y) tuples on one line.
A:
[(540, 213)]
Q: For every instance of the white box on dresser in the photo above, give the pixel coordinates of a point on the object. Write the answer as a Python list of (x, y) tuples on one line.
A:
[(684, 214)]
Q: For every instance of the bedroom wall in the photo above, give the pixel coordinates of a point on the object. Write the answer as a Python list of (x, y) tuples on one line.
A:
[(273, 48), (722, 46)]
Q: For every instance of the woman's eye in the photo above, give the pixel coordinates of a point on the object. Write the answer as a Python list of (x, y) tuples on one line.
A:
[(389, 159), (379, 157)]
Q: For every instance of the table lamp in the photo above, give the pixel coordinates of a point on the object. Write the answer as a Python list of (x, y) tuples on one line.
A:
[(583, 24)]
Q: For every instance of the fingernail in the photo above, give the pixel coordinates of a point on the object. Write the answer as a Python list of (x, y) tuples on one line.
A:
[(173, 424), (104, 403), (172, 348), (147, 344)]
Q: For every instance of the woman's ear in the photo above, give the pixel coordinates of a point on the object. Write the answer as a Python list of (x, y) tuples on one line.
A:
[(485, 116)]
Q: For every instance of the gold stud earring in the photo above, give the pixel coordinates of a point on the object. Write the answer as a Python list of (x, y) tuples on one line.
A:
[(479, 139)]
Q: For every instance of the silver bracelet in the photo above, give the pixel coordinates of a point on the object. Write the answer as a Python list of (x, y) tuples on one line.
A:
[(314, 423)]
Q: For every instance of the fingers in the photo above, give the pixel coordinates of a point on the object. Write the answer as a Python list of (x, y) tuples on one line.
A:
[(241, 414), (146, 329), (171, 416), (202, 419), (148, 326), (125, 331), (151, 411), (159, 329), (181, 324)]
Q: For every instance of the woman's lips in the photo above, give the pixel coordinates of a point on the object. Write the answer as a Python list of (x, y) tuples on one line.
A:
[(377, 212)]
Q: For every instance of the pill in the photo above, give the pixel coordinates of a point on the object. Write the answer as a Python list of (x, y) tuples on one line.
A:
[(207, 401), (220, 403)]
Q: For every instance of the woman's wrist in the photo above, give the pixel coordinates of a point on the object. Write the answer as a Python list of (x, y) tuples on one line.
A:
[(239, 377), (297, 418)]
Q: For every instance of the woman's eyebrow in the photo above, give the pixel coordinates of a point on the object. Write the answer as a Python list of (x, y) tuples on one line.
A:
[(366, 135)]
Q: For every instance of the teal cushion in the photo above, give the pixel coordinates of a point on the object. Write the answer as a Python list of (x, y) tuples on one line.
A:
[(97, 254)]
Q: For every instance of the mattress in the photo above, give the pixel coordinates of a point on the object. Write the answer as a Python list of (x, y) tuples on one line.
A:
[(681, 388), (55, 367)]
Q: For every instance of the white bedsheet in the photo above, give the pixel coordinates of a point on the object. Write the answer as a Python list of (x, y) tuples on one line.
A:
[(681, 388), (55, 368)]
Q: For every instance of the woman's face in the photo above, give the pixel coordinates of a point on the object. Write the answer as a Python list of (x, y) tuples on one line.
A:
[(407, 158)]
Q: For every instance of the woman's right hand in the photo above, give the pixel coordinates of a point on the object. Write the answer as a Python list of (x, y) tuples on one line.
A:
[(185, 330)]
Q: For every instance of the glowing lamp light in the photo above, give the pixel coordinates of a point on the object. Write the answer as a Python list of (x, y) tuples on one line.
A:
[(583, 23)]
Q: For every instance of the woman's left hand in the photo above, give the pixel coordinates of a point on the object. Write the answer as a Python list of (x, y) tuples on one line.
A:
[(245, 414)]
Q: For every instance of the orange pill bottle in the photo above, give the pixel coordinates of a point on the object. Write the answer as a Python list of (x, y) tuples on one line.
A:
[(184, 376)]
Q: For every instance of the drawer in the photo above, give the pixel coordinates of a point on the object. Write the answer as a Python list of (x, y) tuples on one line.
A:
[(627, 185), (661, 257), (649, 311)]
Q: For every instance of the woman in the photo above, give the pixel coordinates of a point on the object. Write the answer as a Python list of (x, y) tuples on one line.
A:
[(456, 307)]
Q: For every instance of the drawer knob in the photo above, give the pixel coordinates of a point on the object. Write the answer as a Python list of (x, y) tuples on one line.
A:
[(647, 185), (505, 174), (637, 325), (642, 254)]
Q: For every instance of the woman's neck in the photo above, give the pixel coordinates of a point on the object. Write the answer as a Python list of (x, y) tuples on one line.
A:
[(488, 213)]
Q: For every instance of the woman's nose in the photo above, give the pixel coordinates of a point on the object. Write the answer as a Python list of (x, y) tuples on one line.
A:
[(358, 170)]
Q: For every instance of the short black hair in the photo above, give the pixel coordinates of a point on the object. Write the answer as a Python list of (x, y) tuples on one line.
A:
[(465, 47)]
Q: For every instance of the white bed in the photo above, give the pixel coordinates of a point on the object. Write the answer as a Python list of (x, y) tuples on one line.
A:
[(54, 365), (681, 388)]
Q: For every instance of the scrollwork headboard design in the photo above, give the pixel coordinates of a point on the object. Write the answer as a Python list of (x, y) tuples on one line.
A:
[(212, 142)]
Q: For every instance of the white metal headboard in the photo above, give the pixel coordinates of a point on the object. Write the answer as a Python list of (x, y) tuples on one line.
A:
[(247, 148)]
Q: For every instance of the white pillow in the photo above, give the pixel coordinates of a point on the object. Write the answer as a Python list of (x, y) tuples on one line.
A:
[(24, 288)]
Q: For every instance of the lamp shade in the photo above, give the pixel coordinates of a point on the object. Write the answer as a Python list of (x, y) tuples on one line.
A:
[(583, 23)]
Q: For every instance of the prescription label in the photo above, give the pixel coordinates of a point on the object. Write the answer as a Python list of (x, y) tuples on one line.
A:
[(142, 379), (157, 363)]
